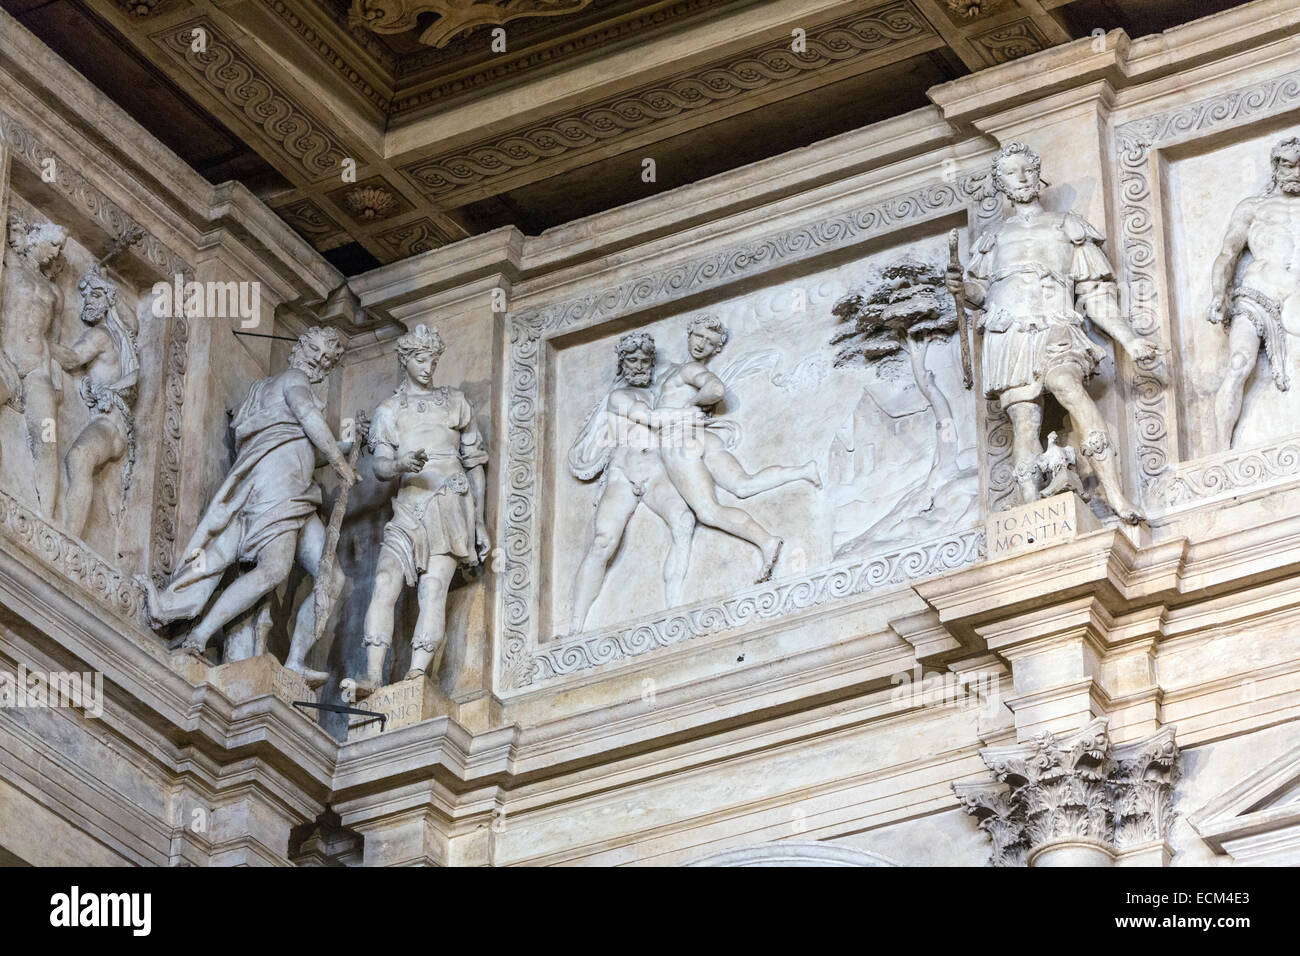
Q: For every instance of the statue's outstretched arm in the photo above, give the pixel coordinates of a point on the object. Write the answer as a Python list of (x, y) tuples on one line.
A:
[(298, 396)]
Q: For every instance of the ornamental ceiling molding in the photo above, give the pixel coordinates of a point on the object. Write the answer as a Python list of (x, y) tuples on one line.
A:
[(1137, 145), (143, 9), (69, 557), (453, 17), (412, 238), (1010, 41), (300, 138), (500, 67), (521, 661), (331, 56), (441, 178), (309, 220)]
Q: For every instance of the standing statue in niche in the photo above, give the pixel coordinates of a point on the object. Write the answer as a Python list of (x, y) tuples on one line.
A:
[(1036, 275), (30, 380), (425, 436), (106, 351), (1265, 305), (619, 442), (698, 459), (266, 511)]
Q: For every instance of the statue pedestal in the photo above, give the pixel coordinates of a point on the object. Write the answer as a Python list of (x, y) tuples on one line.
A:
[(244, 680), (403, 703), (1046, 522)]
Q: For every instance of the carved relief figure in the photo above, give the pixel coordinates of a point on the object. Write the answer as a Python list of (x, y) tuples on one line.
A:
[(697, 459), (903, 315), (619, 442), (1265, 305), (29, 380), (266, 512), (106, 351), (425, 436), (1037, 275)]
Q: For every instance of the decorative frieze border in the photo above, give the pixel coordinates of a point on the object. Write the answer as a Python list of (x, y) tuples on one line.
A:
[(71, 558), (768, 602), (26, 147), (1229, 472), (520, 661), (1136, 142)]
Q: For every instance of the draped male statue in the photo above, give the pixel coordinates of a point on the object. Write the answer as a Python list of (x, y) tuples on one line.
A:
[(266, 511)]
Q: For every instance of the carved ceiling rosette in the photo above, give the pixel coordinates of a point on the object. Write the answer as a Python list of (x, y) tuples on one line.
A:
[(371, 202), (454, 17)]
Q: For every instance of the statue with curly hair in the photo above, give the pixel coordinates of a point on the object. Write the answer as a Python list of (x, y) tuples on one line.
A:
[(425, 437), (107, 354), (265, 514), (699, 459), (619, 443), (1037, 275)]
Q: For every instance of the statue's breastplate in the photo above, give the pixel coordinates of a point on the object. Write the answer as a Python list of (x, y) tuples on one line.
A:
[(1030, 280)]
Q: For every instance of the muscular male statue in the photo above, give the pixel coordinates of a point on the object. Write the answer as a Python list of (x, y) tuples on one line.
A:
[(619, 441), (265, 512), (106, 350), (1265, 305), (29, 381), (1036, 275)]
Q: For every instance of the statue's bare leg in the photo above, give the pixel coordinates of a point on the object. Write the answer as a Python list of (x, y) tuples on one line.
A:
[(99, 443), (273, 566), (41, 413), (378, 627), (1243, 357), (1066, 383), (1026, 445), (690, 476), (311, 544), (731, 475), (431, 625), (613, 512), (662, 498)]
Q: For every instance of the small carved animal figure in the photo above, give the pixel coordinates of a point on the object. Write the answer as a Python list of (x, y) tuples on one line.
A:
[(1055, 467)]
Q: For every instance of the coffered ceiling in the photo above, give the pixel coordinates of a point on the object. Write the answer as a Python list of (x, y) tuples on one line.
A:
[(450, 135)]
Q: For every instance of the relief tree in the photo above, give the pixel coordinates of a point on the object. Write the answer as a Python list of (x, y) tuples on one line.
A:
[(900, 317), (892, 326)]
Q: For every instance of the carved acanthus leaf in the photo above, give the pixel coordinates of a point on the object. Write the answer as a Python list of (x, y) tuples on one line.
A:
[(1074, 787)]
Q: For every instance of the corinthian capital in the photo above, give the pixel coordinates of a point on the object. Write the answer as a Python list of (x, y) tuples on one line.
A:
[(1074, 793)]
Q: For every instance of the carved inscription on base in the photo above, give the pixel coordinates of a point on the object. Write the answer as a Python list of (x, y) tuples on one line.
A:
[(1046, 522)]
